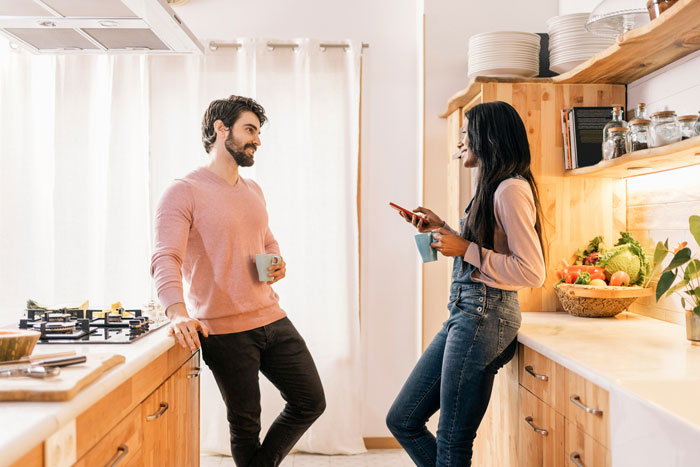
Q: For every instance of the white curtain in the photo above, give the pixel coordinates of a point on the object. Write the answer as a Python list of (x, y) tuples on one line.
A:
[(89, 143)]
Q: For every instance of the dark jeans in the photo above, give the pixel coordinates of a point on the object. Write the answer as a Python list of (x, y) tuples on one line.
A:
[(455, 375), (279, 352)]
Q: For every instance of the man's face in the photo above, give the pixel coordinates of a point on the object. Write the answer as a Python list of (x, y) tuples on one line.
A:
[(243, 139)]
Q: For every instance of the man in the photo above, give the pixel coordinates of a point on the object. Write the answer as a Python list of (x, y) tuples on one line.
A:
[(209, 227)]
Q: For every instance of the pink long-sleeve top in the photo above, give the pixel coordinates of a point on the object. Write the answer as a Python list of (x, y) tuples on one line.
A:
[(516, 260), (209, 232)]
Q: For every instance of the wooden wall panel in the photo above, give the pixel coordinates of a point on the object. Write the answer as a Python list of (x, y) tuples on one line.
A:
[(575, 209)]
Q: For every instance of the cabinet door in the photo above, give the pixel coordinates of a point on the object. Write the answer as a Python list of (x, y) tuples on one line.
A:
[(170, 417), (583, 450), (586, 405), (120, 446), (541, 433)]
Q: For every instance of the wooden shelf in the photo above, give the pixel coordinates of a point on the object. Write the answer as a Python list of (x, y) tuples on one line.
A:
[(468, 94), (673, 156), (643, 50), (673, 35)]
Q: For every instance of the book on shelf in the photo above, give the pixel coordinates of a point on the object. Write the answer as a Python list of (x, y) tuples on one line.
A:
[(582, 132)]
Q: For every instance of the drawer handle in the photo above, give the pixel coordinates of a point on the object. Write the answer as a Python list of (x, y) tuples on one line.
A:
[(575, 457), (163, 407), (541, 431), (577, 401), (532, 372), (122, 451), (195, 373)]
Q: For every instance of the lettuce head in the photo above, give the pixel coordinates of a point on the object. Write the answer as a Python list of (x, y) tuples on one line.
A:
[(627, 255)]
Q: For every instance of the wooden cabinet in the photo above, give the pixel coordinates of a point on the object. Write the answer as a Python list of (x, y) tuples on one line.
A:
[(532, 421), (152, 419), (541, 432), (168, 416)]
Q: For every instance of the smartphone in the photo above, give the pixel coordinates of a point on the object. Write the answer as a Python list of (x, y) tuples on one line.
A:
[(406, 211)]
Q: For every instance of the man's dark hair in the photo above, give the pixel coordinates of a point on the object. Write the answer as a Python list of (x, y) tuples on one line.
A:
[(228, 111)]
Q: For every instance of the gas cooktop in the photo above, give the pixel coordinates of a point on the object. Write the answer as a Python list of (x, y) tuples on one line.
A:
[(78, 326)]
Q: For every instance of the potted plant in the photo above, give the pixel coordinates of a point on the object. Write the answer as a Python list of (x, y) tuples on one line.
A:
[(682, 276)]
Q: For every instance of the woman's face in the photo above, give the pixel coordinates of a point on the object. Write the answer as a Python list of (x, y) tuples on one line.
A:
[(468, 157)]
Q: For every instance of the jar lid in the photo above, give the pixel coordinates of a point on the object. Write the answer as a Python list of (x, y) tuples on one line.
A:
[(683, 118), (640, 121), (665, 113), (616, 129)]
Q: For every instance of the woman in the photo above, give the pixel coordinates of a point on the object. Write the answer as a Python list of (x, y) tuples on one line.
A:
[(498, 251)]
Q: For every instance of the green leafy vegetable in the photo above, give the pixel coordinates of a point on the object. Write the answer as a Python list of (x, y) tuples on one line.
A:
[(627, 255)]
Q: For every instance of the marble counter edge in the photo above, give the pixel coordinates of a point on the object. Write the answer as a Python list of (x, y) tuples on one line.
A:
[(60, 413)]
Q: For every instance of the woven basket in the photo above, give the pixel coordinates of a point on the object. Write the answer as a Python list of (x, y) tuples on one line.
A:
[(596, 302)]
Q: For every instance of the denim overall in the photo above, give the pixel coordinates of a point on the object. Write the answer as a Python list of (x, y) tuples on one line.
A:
[(455, 374)]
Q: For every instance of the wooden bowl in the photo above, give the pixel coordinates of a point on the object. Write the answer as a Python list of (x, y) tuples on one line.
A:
[(15, 344), (598, 302)]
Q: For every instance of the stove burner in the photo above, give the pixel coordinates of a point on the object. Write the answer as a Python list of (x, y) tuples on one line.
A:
[(66, 327), (64, 317), (77, 326)]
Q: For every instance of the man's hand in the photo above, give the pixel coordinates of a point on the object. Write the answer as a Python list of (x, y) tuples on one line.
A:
[(448, 243), (184, 328), (277, 271)]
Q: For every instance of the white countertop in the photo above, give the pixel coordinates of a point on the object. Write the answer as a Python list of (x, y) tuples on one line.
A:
[(23, 425), (649, 368)]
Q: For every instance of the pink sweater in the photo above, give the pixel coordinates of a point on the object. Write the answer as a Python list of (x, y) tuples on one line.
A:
[(516, 260), (209, 232)]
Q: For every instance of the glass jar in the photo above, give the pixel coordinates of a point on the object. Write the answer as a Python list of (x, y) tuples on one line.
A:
[(615, 144), (638, 135), (656, 7), (688, 124), (616, 122), (664, 129), (641, 112), (697, 126)]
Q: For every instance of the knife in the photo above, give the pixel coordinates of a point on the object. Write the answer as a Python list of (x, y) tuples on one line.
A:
[(51, 362), (34, 358), (40, 372)]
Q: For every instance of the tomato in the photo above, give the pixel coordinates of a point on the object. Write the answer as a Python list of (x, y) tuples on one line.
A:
[(573, 272), (620, 278)]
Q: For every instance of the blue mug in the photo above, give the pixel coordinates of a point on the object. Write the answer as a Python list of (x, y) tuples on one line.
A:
[(427, 253), (263, 262)]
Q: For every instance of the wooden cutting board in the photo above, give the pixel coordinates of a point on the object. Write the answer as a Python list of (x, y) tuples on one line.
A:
[(63, 387)]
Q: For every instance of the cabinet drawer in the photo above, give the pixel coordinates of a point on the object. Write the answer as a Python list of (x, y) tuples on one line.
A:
[(539, 375), (586, 405), (120, 446), (582, 449), (541, 432)]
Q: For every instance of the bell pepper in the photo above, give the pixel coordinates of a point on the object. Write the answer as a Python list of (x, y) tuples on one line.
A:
[(571, 273)]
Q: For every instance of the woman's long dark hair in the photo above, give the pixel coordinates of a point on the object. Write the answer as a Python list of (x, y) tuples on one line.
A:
[(498, 139)]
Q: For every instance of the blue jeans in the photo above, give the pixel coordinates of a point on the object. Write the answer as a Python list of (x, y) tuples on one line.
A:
[(455, 373)]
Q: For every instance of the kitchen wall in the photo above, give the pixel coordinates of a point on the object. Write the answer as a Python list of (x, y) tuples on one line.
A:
[(391, 151), (658, 205)]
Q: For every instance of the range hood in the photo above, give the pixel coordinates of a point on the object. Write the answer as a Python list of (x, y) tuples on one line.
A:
[(96, 27)]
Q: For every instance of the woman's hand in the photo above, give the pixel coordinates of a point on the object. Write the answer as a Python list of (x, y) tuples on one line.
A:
[(425, 223), (185, 328), (448, 243), (277, 271)]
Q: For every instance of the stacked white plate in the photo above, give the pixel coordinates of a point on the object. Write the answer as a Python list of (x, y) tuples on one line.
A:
[(569, 42), (504, 54)]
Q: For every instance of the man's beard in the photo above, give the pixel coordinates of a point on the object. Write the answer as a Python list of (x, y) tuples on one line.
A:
[(240, 156)]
